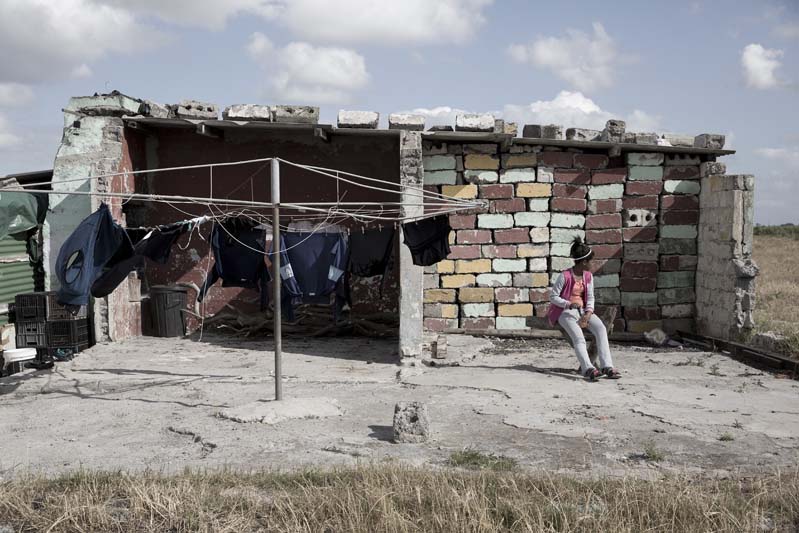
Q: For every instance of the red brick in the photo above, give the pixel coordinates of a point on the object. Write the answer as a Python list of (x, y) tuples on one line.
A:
[(556, 159), (642, 313), (539, 295), (681, 173), (464, 252), (607, 251), (474, 236), (602, 309), (605, 266), (569, 191), (568, 205), (640, 202), (592, 161), (509, 205), (512, 236), (575, 177), (504, 251), (619, 324), (642, 188), (678, 262), (603, 221), (492, 192), (611, 175), (436, 324), (462, 221), (477, 323), (511, 295), (680, 217), (639, 269), (680, 202), (603, 236), (598, 207), (649, 234), (638, 284), (541, 310)]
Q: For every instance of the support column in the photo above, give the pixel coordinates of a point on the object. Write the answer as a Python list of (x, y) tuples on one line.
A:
[(411, 276), (726, 272)]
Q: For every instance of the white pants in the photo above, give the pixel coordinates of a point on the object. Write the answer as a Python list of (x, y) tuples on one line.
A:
[(568, 320)]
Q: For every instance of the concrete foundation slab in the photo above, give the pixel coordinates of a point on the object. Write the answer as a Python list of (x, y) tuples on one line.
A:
[(273, 412)]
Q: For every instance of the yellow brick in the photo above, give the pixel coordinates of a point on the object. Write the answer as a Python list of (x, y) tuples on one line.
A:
[(532, 250), (476, 295), (452, 236), (519, 160), (459, 191), (540, 279), (432, 296), (449, 311), (533, 190), (481, 162), (457, 281), (447, 266), (515, 309), (476, 266)]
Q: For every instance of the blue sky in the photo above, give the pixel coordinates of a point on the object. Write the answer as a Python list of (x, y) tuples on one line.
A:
[(684, 67)]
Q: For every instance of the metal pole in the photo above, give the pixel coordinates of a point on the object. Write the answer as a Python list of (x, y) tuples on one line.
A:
[(276, 280)]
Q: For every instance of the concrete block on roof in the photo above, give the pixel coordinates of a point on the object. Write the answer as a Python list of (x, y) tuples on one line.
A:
[(439, 127), (548, 131), (406, 121), (511, 128), (581, 134), (358, 119), (714, 141), (195, 109), (646, 138), (296, 114), (475, 122), (614, 131), (157, 110), (261, 113), (676, 139), (114, 104)]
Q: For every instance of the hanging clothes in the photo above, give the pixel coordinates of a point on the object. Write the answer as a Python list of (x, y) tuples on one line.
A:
[(239, 249), (157, 244), (371, 252), (83, 255), (291, 294), (318, 262), (428, 239)]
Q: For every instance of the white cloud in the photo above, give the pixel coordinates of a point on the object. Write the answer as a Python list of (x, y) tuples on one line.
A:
[(7, 139), (439, 116), (760, 65), (208, 14), (303, 73), (586, 61), (15, 95), (788, 30), (388, 22), (786, 156), (82, 71), (46, 40)]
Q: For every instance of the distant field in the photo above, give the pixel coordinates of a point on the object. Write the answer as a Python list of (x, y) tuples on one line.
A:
[(776, 251)]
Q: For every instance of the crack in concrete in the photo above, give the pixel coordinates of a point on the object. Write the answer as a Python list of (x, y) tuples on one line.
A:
[(658, 418)]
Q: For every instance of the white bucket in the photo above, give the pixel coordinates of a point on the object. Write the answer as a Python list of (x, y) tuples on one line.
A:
[(15, 358)]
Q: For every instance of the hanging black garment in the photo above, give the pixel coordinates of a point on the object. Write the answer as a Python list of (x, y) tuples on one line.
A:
[(371, 252), (428, 239), (318, 262), (239, 251), (157, 244), (114, 272), (84, 254)]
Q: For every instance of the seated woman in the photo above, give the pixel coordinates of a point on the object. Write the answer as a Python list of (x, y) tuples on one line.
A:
[(572, 306)]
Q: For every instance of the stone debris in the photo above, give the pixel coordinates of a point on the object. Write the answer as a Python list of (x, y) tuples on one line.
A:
[(358, 119), (581, 134), (194, 109), (713, 141), (407, 121), (411, 422), (248, 112), (288, 114), (475, 122)]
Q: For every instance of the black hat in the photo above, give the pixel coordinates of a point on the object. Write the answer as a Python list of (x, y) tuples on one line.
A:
[(580, 251)]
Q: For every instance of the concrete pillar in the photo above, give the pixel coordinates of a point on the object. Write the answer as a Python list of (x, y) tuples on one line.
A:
[(411, 276), (726, 272)]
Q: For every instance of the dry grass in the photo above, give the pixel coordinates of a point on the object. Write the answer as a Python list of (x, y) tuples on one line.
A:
[(777, 287), (391, 498)]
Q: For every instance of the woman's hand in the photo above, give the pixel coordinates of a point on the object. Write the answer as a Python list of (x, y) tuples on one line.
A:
[(583, 322)]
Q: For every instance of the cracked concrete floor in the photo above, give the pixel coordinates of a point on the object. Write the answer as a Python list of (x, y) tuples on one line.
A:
[(153, 403)]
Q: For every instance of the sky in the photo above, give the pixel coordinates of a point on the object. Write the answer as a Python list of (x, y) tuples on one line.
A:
[(681, 67)]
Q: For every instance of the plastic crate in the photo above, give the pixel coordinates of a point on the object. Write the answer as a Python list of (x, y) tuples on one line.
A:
[(43, 306), (62, 353), (31, 334), (67, 333)]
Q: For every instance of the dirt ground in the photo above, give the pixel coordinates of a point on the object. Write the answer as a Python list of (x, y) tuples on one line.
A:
[(152, 403)]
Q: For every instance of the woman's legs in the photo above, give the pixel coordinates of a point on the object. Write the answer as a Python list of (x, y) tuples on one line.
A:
[(568, 320), (602, 347)]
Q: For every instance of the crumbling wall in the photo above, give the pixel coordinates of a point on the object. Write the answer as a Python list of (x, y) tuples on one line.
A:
[(725, 278)]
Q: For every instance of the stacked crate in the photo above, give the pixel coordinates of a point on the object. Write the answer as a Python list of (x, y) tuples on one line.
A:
[(44, 324)]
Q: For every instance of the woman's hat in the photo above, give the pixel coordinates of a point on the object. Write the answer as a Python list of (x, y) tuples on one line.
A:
[(580, 250)]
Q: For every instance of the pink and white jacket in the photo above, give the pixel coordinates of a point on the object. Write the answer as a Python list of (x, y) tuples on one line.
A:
[(561, 292)]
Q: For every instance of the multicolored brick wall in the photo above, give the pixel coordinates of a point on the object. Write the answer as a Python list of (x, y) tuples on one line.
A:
[(639, 211)]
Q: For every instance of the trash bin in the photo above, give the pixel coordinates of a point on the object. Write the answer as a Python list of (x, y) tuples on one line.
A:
[(167, 303)]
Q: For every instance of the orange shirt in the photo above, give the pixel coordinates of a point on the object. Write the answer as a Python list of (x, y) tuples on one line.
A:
[(577, 292)]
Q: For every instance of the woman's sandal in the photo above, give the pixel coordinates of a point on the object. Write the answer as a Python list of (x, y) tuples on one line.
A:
[(592, 375), (611, 373)]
